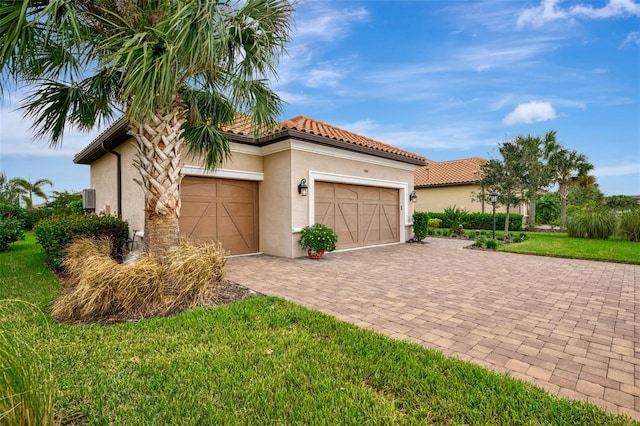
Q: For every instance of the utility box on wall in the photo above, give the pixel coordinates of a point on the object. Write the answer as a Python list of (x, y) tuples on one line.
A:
[(89, 199)]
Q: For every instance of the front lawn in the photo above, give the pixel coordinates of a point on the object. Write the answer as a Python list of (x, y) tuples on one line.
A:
[(559, 245), (260, 361)]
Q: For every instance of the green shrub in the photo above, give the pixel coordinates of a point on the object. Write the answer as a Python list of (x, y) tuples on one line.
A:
[(491, 244), (11, 230), (621, 202), (630, 225), (33, 216), (434, 222), (420, 225), (479, 242), (481, 221), (55, 235), (548, 208), (13, 211), (599, 224), (318, 237)]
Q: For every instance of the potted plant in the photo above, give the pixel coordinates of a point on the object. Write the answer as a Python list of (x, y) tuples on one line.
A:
[(317, 239)]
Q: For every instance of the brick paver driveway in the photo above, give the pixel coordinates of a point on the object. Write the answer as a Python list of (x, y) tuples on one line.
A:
[(569, 326)]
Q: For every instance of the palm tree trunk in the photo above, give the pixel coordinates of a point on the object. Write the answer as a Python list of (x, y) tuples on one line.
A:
[(563, 190), (159, 145)]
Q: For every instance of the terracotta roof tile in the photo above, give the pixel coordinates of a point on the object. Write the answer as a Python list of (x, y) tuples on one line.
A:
[(242, 126), (466, 170), (314, 127)]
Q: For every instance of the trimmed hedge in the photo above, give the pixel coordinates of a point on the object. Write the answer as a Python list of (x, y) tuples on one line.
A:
[(420, 225), (482, 220), (55, 235)]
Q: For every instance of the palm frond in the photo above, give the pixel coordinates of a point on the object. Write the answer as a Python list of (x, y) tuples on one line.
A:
[(255, 97), (53, 105), (207, 141)]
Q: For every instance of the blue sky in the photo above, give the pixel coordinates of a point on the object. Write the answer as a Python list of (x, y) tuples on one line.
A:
[(444, 79)]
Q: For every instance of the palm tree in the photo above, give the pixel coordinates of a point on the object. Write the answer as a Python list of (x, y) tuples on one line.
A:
[(178, 70), (28, 190), (566, 166)]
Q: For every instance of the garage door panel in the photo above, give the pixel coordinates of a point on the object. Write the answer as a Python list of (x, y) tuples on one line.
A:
[(344, 193), (222, 210), (360, 215)]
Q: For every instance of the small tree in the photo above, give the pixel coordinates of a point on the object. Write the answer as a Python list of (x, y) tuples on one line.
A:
[(504, 176), (9, 192)]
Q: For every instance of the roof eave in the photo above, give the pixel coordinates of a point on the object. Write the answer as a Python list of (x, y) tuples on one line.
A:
[(115, 135), (436, 185)]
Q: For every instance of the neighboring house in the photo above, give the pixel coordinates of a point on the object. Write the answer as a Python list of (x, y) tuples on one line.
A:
[(252, 203), (447, 183), (442, 184)]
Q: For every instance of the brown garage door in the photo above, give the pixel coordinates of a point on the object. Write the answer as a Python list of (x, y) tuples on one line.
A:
[(360, 215), (224, 210)]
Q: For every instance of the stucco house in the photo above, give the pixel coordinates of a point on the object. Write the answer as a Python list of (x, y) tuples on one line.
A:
[(256, 202), (442, 184)]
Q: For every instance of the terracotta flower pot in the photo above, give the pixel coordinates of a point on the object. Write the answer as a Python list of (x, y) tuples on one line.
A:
[(315, 254)]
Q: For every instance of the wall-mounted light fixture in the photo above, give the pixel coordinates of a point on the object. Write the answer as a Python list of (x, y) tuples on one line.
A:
[(413, 197), (303, 188)]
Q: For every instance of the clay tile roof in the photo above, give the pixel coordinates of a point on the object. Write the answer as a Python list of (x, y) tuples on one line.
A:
[(314, 127), (464, 171)]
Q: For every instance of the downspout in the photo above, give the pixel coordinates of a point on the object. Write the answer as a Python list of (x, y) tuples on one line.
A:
[(118, 176)]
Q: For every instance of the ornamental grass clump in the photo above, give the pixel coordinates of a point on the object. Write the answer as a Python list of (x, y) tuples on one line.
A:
[(630, 225), (599, 224), (27, 385), (318, 237), (99, 289)]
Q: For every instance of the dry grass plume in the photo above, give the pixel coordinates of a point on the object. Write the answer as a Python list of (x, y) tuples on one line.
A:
[(99, 289)]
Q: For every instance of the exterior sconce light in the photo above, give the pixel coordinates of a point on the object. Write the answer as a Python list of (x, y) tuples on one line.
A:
[(303, 188), (413, 197)]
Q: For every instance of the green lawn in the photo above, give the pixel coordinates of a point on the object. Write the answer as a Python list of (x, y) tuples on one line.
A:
[(559, 245), (260, 361)]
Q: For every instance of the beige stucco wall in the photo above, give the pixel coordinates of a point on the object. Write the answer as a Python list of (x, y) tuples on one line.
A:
[(103, 180), (278, 168), (439, 198), (276, 195)]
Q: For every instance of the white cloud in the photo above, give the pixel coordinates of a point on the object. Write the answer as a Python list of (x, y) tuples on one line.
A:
[(325, 23), (538, 16), (613, 9), (16, 137), (619, 170), (530, 112), (632, 38), (323, 77), (550, 10)]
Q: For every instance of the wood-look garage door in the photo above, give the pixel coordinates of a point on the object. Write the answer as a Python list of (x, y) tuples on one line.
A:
[(360, 215), (224, 210)]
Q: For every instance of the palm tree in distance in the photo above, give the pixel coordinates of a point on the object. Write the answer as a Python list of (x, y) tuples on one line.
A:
[(29, 189), (177, 70), (566, 167)]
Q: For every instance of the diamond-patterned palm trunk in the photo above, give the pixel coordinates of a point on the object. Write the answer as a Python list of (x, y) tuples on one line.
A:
[(158, 158)]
